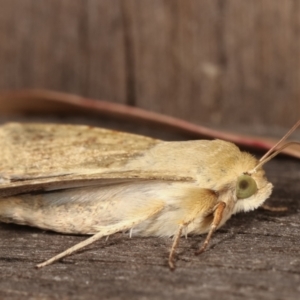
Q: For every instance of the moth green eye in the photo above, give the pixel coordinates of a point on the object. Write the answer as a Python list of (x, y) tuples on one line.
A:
[(246, 187)]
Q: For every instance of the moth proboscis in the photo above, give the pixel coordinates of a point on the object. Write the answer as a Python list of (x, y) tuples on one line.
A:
[(84, 180)]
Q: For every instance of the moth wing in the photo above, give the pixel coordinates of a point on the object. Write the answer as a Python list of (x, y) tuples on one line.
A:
[(49, 150), (142, 221), (122, 224), (82, 210), (47, 157)]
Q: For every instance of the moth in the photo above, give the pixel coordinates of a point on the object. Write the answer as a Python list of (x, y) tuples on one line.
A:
[(92, 181)]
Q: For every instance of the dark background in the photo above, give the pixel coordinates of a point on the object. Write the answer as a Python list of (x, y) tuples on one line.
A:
[(224, 63)]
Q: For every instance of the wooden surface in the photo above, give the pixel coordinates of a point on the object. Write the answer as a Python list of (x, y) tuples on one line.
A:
[(209, 61), (254, 256)]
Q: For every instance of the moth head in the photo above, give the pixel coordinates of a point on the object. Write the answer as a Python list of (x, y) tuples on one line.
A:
[(252, 188), (251, 191)]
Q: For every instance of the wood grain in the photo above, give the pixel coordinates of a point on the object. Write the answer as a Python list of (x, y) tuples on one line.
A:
[(74, 46), (211, 61), (218, 62)]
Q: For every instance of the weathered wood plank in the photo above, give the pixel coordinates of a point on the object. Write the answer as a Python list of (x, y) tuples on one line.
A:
[(106, 51), (176, 56), (261, 45), (218, 62), (74, 46)]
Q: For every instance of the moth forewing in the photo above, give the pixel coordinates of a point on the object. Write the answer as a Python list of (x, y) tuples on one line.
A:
[(78, 179), (34, 153)]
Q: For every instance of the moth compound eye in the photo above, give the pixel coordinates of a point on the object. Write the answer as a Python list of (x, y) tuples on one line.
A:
[(245, 187)]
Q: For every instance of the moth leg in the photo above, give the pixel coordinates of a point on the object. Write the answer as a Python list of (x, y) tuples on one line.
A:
[(185, 232), (194, 211), (216, 221), (105, 231), (130, 232), (273, 209), (80, 245), (174, 246)]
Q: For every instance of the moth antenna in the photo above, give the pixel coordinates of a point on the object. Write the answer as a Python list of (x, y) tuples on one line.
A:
[(275, 153), (281, 140), (268, 156)]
